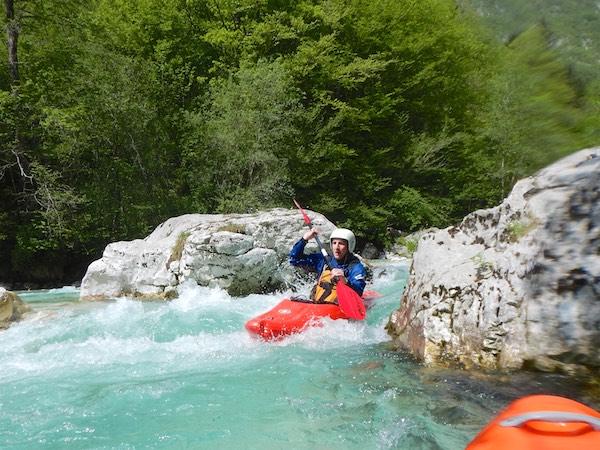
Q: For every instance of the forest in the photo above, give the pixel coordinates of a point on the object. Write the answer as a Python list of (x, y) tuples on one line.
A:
[(387, 116)]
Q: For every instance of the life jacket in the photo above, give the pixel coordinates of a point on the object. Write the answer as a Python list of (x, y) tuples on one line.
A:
[(324, 291)]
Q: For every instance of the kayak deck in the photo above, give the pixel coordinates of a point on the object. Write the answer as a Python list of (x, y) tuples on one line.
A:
[(294, 316), (545, 422)]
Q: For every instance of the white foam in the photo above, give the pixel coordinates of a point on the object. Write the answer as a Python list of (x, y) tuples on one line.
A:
[(102, 353), (192, 297), (202, 328), (336, 334), (65, 289)]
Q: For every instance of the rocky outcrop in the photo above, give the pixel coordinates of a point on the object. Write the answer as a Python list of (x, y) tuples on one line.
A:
[(514, 286), (405, 244), (12, 308), (242, 253)]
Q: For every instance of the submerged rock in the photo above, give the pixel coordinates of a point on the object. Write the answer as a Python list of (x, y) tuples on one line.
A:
[(242, 253), (513, 286), (12, 308)]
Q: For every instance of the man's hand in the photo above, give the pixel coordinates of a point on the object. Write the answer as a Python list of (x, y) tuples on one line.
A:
[(338, 274), (310, 234)]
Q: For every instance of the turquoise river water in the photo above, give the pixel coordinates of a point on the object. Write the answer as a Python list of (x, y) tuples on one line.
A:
[(185, 374)]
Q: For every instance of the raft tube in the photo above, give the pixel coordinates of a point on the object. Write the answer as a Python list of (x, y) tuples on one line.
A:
[(294, 316), (541, 422)]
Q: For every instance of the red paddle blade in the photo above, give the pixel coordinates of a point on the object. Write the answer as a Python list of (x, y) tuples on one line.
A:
[(304, 216), (350, 302)]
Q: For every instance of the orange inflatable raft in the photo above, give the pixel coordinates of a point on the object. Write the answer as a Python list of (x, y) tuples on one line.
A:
[(541, 422), (295, 316)]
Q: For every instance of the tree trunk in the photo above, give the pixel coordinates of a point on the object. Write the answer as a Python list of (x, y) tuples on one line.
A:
[(12, 30), (21, 161)]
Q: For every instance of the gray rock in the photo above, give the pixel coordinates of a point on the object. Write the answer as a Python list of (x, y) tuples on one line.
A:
[(513, 286), (371, 252), (242, 253)]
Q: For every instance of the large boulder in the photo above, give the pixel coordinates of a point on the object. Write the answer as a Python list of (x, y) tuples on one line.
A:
[(514, 286), (242, 253), (12, 308)]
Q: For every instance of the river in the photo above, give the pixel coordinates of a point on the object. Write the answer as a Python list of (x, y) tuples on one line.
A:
[(124, 374)]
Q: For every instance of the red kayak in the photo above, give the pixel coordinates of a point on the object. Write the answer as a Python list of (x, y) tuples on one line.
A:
[(541, 422), (294, 316)]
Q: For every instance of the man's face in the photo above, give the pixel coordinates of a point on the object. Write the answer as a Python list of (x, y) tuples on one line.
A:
[(339, 247)]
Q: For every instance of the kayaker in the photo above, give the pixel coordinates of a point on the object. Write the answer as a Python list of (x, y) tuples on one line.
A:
[(350, 270)]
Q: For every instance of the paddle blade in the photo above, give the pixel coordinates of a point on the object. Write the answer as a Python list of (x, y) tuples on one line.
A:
[(350, 302), (304, 215)]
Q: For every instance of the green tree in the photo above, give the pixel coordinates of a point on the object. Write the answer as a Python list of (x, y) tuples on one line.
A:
[(34, 194), (384, 113), (237, 152), (378, 77), (533, 117)]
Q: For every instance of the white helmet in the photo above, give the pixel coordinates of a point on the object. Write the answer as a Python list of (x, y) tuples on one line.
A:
[(345, 234)]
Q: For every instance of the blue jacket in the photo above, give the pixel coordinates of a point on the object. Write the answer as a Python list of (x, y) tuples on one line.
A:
[(354, 271)]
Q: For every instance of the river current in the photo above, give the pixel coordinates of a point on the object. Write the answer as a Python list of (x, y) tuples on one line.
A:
[(185, 374)]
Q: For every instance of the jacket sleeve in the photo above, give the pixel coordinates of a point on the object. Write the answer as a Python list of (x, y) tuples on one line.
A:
[(298, 258), (357, 277)]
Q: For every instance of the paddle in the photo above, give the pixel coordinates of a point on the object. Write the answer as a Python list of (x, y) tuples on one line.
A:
[(350, 302)]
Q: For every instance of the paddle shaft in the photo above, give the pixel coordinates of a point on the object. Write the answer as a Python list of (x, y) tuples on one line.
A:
[(328, 259)]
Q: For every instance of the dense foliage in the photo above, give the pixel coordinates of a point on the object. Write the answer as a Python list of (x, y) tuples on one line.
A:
[(381, 114)]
